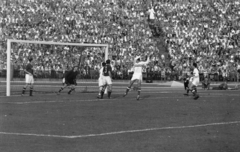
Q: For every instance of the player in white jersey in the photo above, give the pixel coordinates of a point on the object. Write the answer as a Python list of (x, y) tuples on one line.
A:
[(194, 81), (137, 75), (101, 79)]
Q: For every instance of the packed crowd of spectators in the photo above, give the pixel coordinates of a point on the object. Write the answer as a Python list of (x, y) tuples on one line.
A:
[(206, 32)]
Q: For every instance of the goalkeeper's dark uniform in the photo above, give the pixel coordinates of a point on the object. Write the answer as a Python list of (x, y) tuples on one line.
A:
[(70, 80), (70, 77)]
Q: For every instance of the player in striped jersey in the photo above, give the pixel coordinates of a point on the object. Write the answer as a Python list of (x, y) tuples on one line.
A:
[(107, 79)]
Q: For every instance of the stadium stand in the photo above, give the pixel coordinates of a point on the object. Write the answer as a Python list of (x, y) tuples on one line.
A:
[(178, 32)]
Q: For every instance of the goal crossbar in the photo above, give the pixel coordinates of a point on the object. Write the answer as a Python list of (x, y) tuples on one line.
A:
[(9, 41)]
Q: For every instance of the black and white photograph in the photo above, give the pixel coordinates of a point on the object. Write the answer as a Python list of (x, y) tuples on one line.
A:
[(119, 76)]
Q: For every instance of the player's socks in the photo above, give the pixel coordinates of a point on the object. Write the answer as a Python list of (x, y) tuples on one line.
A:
[(194, 91), (186, 94), (127, 90), (138, 97), (31, 90), (139, 92), (61, 89), (102, 93), (70, 91), (109, 94), (23, 91), (196, 97)]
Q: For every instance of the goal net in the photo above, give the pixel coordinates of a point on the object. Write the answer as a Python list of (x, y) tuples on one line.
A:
[(50, 61)]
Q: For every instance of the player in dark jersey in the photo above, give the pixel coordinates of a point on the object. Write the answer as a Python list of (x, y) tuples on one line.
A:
[(28, 77), (107, 79), (70, 80)]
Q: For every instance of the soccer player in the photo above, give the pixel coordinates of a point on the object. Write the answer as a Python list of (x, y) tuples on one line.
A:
[(194, 81), (186, 82), (137, 75), (28, 77), (107, 79), (70, 80), (100, 80)]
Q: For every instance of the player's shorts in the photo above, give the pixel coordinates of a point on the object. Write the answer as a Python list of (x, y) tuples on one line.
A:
[(69, 82), (107, 80), (136, 77), (195, 82), (100, 81), (29, 79)]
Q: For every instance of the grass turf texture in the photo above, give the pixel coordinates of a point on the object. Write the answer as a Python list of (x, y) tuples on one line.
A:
[(163, 120)]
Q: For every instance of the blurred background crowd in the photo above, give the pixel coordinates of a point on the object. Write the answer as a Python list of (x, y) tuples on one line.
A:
[(177, 32)]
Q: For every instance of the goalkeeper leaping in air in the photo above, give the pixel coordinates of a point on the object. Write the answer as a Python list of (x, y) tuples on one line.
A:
[(137, 75), (70, 80)]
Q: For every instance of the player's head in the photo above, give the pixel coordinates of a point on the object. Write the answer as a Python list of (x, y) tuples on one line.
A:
[(103, 64), (138, 59), (108, 61), (75, 68), (30, 59), (195, 65)]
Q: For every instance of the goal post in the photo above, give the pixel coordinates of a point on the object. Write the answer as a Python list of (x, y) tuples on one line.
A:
[(10, 41)]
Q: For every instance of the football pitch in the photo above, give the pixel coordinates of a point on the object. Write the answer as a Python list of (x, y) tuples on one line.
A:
[(163, 120)]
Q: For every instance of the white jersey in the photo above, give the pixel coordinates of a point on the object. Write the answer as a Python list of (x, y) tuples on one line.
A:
[(195, 80), (100, 79), (138, 69)]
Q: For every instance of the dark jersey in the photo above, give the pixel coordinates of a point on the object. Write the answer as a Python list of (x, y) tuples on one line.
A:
[(71, 76), (29, 68), (107, 69)]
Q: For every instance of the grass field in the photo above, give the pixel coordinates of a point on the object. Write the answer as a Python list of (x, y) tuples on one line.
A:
[(162, 121)]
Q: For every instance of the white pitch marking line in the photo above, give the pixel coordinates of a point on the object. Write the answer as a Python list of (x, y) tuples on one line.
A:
[(61, 101), (161, 92), (121, 132)]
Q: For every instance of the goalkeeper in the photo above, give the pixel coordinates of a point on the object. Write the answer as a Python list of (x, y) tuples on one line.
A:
[(70, 80)]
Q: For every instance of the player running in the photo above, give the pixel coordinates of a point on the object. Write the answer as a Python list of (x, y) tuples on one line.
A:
[(70, 80), (194, 81), (107, 79), (28, 77), (137, 75)]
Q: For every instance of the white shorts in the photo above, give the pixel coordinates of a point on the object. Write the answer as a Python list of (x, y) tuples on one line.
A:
[(107, 80), (136, 77), (195, 81), (100, 81), (29, 79)]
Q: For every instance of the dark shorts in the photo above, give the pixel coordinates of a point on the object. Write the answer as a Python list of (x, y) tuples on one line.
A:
[(70, 82)]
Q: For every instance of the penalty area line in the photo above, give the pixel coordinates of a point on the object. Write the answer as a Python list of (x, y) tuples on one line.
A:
[(121, 132)]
